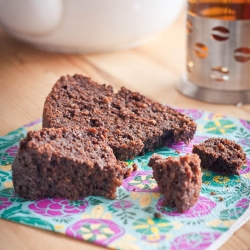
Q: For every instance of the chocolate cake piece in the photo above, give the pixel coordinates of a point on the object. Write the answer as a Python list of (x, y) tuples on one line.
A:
[(157, 124), (79, 101), (220, 155), (68, 163), (135, 124), (76, 101), (179, 179)]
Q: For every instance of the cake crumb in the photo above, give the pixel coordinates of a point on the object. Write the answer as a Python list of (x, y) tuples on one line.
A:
[(177, 151), (213, 193), (157, 215), (220, 198), (185, 167), (229, 155), (134, 167)]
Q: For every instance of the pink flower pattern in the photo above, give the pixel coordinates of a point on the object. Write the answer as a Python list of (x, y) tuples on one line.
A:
[(4, 203), (246, 168), (245, 142), (122, 204), (203, 207), (244, 203), (245, 123), (100, 231), (192, 113), (58, 207), (141, 181), (194, 241), (7, 157), (33, 123), (183, 148), (12, 151)]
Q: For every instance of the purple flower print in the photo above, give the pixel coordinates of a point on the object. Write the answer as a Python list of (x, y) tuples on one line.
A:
[(141, 181), (245, 123), (33, 123), (245, 169), (235, 212), (4, 203), (245, 142), (183, 148), (12, 151), (122, 204), (99, 231), (192, 113), (203, 207), (213, 116), (244, 203), (7, 157), (58, 207), (194, 241)]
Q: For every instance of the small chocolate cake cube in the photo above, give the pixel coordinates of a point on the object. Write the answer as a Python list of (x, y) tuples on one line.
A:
[(178, 178), (222, 156), (67, 163)]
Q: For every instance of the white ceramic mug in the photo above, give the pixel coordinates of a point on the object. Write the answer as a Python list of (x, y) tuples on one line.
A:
[(86, 26)]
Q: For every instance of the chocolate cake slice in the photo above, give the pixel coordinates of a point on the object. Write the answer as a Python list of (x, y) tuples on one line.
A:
[(67, 162), (135, 124), (78, 101), (179, 179), (155, 123), (222, 156)]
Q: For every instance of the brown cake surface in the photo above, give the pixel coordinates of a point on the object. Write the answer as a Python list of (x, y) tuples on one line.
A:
[(220, 155), (135, 124), (178, 178), (174, 126), (67, 162)]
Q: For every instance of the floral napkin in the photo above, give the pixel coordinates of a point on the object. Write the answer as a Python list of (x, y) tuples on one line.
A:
[(128, 222)]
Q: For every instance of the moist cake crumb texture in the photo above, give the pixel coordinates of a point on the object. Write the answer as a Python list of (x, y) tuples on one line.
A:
[(68, 163), (222, 156), (135, 123), (179, 179)]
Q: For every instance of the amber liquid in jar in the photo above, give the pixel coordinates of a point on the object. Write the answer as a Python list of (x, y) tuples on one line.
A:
[(220, 9)]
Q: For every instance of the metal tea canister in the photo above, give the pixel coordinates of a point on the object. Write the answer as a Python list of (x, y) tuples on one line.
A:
[(218, 51)]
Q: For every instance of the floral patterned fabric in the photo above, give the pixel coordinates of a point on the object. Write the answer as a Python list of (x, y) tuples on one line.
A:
[(128, 222)]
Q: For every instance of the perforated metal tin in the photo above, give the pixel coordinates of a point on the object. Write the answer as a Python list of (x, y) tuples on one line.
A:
[(218, 60)]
